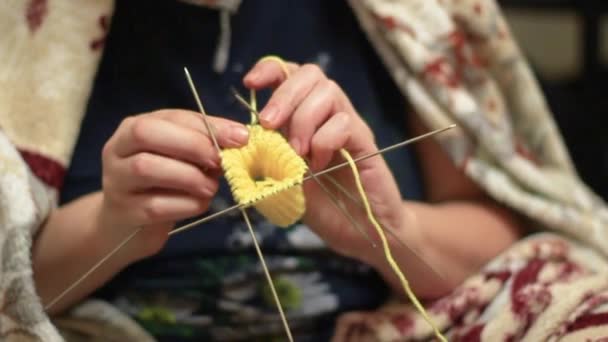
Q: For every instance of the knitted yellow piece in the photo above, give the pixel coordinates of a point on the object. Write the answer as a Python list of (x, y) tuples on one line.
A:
[(268, 174)]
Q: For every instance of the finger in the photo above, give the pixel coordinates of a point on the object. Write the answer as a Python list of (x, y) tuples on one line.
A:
[(332, 136), (268, 73), (311, 114), (145, 171), (288, 96), (228, 133), (158, 136), (155, 207)]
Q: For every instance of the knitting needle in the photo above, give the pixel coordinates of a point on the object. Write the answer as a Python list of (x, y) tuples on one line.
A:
[(202, 110), (92, 269), (210, 217), (353, 198), (320, 173), (340, 205), (414, 251), (267, 274), (244, 214), (384, 150)]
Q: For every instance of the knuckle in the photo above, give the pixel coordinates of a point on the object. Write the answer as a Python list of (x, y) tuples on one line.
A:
[(139, 129), (152, 210), (117, 200), (107, 181), (312, 68), (214, 121), (208, 186), (107, 184), (192, 140), (164, 113), (177, 116), (345, 118), (127, 122), (106, 151), (293, 65), (192, 146), (367, 130), (141, 164), (193, 180), (332, 86), (171, 114), (369, 135)]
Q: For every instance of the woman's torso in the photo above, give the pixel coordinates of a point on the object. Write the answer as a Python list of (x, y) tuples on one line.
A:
[(207, 282)]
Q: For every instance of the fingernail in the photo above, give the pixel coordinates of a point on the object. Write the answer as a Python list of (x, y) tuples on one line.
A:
[(269, 114), (239, 135)]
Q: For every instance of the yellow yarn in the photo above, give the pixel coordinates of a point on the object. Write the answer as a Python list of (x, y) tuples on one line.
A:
[(279, 60), (387, 250), (268, 174)]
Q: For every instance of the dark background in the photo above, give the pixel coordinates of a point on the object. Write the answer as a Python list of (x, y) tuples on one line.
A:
[(578, 100)]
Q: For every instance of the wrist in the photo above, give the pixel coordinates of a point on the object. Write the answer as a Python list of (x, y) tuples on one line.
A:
[(405, 239)]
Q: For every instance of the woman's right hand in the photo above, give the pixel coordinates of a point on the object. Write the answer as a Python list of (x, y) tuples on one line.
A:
[(159, 168)]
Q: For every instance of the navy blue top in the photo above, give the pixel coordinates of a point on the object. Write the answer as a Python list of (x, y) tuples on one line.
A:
[(206, 283)]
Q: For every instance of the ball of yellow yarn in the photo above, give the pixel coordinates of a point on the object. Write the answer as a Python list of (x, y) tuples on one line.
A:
[(267, 173)]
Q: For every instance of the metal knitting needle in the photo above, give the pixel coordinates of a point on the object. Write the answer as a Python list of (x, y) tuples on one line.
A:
[(340, 205), (403, 244), (202, 110), (92, 269), (245, 217)]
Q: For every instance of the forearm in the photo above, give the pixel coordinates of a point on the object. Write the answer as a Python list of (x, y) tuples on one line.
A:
[(454, 240), (72, 240)]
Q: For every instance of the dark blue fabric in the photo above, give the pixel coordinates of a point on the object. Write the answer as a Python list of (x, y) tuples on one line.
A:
[(142, 70)]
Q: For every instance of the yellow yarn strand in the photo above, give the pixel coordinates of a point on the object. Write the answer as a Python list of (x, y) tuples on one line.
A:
[(277, 59), (387, 251)]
